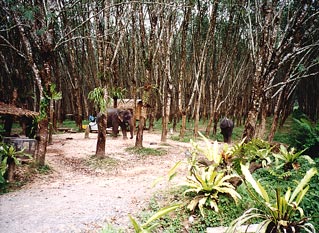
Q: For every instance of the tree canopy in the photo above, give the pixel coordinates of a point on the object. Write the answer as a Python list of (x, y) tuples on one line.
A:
[(199, 59)]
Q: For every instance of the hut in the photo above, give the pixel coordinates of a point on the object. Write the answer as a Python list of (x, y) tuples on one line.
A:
[(9, 113)]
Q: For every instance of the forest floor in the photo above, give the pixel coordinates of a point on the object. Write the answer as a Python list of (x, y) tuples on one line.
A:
[(82, 194)]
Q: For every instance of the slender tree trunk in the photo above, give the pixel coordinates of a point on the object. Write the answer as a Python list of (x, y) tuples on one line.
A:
[(167, 83), (42, 141), (11, 170), (275, 118), (197, 107), (182, 75), (139, 134), (101, 139), (51, 118)]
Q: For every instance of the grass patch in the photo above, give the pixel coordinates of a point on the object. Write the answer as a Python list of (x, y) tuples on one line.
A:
[(144, 151), (178, 139), (101, 163), (46, 169), (111, 229)]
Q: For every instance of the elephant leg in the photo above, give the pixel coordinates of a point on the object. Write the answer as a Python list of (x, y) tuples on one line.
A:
[(115, 130), (224, 132), (227, 133), (123, 128), (131, 125)]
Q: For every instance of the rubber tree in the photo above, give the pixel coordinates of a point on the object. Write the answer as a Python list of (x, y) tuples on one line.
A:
[(276, 33), (99, 97)]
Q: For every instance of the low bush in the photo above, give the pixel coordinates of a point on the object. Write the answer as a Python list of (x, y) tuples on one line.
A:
[(304, 135)]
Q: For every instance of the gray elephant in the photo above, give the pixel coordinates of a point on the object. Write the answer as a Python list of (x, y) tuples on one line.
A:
[(226, 126), (120, 117)]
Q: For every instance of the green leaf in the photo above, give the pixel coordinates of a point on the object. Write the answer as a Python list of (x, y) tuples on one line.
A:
[(161, 213), (172, 171), (136, 226), (255, 184), (305, 180)]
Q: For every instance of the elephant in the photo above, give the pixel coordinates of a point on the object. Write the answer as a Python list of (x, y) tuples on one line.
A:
[(120, 117), (226, 126)]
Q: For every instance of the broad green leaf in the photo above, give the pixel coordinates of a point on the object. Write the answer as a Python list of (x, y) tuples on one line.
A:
[(193, 203), (287, 195), (201, 204), (136, 226), (161, 213), (213, 205), (305, 180), (4, 165), (255, 184), (301, 195), (172, 171), (150, 228)]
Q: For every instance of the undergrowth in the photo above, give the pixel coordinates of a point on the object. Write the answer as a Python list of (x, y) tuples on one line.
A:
[(144, 151)]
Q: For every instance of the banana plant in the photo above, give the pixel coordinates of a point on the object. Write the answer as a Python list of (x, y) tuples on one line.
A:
[(279, 215)]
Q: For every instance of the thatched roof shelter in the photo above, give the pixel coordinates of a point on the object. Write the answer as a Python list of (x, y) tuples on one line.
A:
[(8, 109)]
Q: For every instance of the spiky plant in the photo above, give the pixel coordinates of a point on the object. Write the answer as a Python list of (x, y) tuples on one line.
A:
[(280, 215)]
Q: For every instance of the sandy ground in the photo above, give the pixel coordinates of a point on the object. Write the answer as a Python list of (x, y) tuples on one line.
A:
[(78, 198)]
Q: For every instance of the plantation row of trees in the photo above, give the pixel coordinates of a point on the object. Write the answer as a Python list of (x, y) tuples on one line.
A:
[(200, 59)]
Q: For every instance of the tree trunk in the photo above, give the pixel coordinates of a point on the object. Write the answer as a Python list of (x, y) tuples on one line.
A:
[(139, 134), (51, 121), (100, 146), (197, 107), (183, 125), (275, 119), (11, 169), (262, 125), (42, 141), (182, 73)]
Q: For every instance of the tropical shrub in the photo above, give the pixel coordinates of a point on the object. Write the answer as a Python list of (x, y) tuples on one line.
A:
[(8, 160), (305, 136), (256, 151), (290, 158), (209, 179), (206, 185), (284, 214)]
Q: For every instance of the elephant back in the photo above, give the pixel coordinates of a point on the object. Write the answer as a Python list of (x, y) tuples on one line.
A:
[(226, 123)]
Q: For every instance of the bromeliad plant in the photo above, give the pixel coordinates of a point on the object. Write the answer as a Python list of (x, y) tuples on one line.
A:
[(206, 183), (289, 158), (257, 151), (281, 215)]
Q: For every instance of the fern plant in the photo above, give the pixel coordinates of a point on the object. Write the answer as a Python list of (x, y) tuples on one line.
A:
[(305, 135)]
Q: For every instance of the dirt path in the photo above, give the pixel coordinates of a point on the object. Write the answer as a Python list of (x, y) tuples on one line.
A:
[(79, 198)]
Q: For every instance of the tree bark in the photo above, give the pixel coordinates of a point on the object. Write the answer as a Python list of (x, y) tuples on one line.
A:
[(101, 139), (139, 134), (42, 141)]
